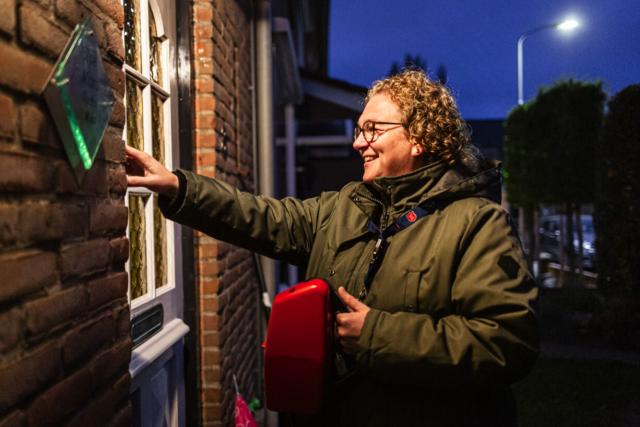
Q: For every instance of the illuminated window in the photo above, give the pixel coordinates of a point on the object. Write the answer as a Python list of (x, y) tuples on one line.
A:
[(151, 265)]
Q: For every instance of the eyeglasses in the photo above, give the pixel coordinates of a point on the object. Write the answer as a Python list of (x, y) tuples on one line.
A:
[(368, 129)]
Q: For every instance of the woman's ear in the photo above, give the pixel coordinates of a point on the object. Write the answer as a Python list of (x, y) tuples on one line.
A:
[(417, 150)]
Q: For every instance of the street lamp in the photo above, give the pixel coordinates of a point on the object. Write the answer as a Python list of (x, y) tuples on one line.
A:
[(566, 25)]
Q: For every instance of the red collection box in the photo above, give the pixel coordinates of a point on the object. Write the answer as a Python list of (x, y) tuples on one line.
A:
[(299, 347)]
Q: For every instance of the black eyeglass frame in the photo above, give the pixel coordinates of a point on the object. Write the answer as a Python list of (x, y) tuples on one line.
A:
[(357, 130)]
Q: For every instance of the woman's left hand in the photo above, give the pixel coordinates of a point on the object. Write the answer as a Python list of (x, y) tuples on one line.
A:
[(350, 324)]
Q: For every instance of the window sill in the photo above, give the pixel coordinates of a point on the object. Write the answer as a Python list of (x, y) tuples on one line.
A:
[(153, 348)]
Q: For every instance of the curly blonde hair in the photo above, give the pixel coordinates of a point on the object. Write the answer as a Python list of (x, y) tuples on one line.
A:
[(430, 117)]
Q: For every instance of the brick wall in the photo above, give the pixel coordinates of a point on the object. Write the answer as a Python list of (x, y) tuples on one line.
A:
[(64, 319), (226, 279)]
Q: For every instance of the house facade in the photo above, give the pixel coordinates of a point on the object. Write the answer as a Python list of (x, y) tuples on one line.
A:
[(109, 314)]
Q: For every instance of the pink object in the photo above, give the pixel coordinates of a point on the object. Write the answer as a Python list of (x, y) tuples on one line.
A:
[(298, 348), (243, 414)]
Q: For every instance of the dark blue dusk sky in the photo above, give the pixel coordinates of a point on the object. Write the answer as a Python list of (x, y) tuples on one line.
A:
[(476, 41)]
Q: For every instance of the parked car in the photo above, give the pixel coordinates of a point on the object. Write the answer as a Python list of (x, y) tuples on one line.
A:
[(550, 238)]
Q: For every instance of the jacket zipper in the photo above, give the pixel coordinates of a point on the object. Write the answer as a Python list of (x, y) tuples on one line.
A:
[(385, 211), (376, 249)]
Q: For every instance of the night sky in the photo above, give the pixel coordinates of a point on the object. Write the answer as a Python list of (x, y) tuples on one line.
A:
[(477, 43)]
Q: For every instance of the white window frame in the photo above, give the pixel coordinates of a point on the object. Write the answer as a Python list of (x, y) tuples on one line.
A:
[(144, 81)]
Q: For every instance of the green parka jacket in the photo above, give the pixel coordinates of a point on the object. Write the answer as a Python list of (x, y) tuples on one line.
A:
[(453, 320)]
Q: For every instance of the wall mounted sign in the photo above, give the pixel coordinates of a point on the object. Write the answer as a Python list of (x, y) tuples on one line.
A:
[(80, 98)]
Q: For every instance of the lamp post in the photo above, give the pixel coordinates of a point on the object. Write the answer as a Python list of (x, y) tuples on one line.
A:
[(566, 25)]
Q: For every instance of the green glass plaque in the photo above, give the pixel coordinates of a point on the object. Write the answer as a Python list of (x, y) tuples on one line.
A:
[(80, 98)]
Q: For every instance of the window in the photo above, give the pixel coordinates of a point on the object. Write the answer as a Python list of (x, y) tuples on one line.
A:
[(151, 261)]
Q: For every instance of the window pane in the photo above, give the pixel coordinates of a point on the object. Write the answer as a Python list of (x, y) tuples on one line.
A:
[(134, 115), (155, 51), (132, 42), (138, 247), (160, 232), (157, 134)]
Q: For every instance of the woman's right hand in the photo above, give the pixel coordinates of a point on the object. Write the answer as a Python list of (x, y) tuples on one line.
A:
[(145, 171)]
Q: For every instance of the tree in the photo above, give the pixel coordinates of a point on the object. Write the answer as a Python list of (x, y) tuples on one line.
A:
[(441, 75), (617, 219), (410, 62), (550, 152)]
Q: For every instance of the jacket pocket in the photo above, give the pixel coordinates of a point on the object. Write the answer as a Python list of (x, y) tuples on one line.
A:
[(411, 290)]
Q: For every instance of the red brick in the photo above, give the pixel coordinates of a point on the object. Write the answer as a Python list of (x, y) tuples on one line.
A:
[(220, 59), (210, 357), (210, 339), (117, 181), (40, 221), (211, 395), (217, 22), (36, 127), (25, 376), (124, 418), (208, 268), (115, 75), (87, 340), (114, 41), (98, 25), (204, 85), (118, 115), (113, 9), (119, 251), (108, 219), (36, 30), (113, 362), (205, 140), (205, 121), (8, 224), (70, 11), (209, 305), (15, 419), (209, 286), (84, 258), (211, 375), (22, 173), (209, 322), (46, 313), (60, 399), (123, 322), (65, 179), (26, 272), (236, 16), (203, 49), (113, 145), (205, 103), (74, 221), (205, 159), (212, 413), (223, 263), (10, 329), (107, 289), (7, 116), (96, 182), (203, 66), (122, 388), (203, 12), (46, 4), (202, 31), (100, 409), (8, 16)]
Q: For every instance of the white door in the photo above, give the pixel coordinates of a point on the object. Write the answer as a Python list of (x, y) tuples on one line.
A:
[(155, 288)]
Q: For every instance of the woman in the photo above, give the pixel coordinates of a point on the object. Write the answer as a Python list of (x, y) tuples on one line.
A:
[(444, 305)]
